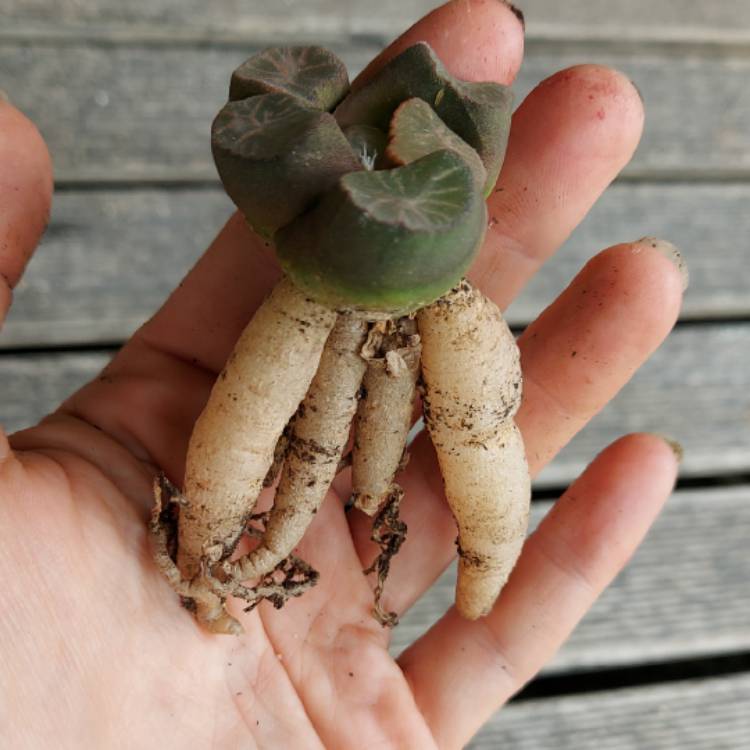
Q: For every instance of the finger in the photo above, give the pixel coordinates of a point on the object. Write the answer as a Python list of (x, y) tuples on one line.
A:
[(478, 40), (174, 357), (576, 356), (25, 196), (569, 139), (335, 652), (581, 545)]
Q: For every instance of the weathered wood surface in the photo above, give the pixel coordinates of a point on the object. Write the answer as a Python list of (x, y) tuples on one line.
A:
[(110, 257), (143, 113), (706, 714), (637, 19), (108, 261), (683, 595), (695, 389), (34, 385)]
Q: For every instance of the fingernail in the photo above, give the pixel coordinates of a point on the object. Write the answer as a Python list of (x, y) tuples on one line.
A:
[(677, 449), (518, 13), (668, 250), (3, 96), (637, 90)]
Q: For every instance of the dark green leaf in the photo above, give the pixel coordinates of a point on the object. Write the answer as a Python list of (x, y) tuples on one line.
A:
[(311, 74), (276, 155), (388, 241), (477, 112), (417, 131)]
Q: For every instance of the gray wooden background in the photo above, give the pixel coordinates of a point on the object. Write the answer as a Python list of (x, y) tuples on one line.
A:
[(124, 93)]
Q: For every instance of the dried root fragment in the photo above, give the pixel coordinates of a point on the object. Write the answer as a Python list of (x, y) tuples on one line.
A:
[(389, 533), (316, 442), (385, 410), (279, 454), (291, 577), (232, 445), (472, 376), (198, 594)]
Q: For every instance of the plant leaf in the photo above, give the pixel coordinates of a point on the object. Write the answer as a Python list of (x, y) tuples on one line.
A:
[(313, 75), (275, 155), (390, 240), (417, 131), (477, 112)]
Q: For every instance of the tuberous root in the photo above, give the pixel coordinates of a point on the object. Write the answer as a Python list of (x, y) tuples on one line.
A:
[(205, 595)]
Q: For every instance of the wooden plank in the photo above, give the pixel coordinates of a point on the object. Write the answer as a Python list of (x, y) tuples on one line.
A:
[(108, 261), (695, 389), (705, 714), (110, 257), (638, 19), (142, 113), (33, 386), (666, 604), (710, 224)]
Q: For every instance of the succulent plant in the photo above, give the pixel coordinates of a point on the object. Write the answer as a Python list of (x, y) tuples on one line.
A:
[(477, 112), (388, 241), (276, 155), (379, 205), (375, 202), (416, 131)]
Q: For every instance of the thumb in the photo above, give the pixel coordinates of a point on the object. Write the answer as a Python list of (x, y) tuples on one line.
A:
[(25, 196)]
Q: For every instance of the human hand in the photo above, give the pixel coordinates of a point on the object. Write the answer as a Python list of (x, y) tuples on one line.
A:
[(96, 649)]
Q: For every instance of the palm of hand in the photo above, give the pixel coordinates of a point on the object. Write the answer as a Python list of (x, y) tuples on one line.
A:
[(103, 643), (91, 630)]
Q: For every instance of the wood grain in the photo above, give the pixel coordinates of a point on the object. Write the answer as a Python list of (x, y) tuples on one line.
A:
[(108, 261), (34, 385), (706, 714), (638, 19), (140, 113)]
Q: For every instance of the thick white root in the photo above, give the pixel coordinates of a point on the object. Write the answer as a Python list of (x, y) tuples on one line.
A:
[(233, 441), (196, 594), (472, 376), (384, 413), (317, 440)]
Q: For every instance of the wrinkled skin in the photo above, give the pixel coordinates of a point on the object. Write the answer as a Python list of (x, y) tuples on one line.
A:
[(97, 652)]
